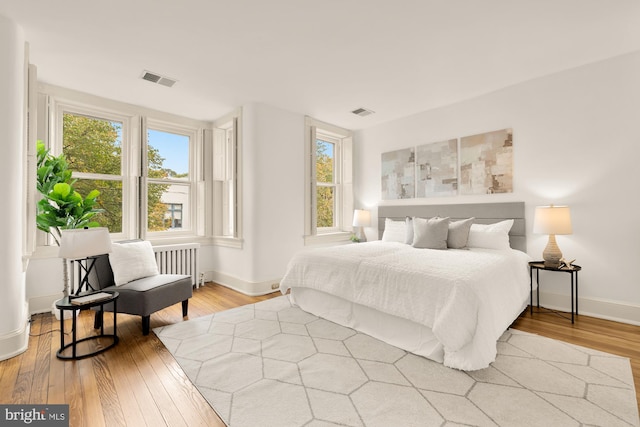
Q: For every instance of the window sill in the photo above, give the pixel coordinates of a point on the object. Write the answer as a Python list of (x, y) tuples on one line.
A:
[(227, 242), (319, 239)]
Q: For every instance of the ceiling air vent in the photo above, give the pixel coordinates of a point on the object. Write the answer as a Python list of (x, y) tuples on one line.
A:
[(362, 112), (157, 78)]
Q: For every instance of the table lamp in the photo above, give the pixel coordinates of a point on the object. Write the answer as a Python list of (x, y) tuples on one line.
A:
[(84, 245), (361, 219), (552, 220)]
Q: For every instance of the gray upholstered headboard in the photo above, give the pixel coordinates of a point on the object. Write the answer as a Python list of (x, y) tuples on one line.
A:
[(485, 213)]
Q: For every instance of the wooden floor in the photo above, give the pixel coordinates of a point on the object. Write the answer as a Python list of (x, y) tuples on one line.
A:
[(138, 382)]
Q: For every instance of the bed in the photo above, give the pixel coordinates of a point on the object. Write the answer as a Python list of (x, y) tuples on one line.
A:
[(449, 305)]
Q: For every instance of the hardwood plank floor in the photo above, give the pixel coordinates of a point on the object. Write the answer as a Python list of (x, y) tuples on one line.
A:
[(138, 382), (604, 335)]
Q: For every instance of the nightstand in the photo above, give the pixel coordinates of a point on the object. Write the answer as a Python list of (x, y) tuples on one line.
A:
[(68, 304), (573, 272)]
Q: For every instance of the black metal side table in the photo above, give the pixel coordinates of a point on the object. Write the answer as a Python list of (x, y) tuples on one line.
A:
[(66, 304), (573, 271)]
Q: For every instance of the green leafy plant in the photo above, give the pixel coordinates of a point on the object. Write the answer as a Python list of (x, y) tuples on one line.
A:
[(61, 206)]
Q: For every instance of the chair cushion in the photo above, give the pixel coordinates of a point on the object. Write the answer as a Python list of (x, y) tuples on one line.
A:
[(150, 294)]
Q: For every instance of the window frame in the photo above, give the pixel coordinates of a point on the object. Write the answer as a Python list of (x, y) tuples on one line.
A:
[(336, 184), (190, 183), (225, 156), (61, 108), (343, 209), (52, 99)]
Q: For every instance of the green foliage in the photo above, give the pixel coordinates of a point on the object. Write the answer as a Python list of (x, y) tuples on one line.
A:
[(93, 145), (61, 206)]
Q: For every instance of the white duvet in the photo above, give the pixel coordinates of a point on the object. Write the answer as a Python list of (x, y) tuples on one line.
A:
[(467, 297)]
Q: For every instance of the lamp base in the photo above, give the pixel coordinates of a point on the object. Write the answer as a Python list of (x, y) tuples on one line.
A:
[(551, 254), (360, 234)]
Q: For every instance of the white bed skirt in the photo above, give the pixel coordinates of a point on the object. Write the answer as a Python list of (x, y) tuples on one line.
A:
[(401, 333)]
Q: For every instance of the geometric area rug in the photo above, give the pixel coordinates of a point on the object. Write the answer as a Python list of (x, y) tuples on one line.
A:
[(272, 364)]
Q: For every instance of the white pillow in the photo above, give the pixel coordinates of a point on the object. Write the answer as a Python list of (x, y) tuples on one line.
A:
[(490, 236), (394, 231), (409, 239), (131, 261)]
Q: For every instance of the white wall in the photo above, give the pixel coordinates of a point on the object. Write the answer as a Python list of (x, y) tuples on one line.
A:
[(14, 314), (273, 202), (576, 142)]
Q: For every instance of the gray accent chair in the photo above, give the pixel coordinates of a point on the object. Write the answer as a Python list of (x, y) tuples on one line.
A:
[(141, 297)]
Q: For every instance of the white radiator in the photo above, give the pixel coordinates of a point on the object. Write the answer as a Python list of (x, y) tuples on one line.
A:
[(180, 259)]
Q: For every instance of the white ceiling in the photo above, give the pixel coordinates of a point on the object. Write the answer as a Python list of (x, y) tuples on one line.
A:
[(322, 58)]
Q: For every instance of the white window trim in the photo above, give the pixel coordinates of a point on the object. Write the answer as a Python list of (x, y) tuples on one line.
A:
[(195, 176), (50, 98), (344, 204), (128, 171)]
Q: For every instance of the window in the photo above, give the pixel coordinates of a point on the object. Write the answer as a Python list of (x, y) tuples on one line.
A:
[(329, 194), (227, 227), (168, 176), (327, 182), (92, 146), (173, 215), (145, 169)]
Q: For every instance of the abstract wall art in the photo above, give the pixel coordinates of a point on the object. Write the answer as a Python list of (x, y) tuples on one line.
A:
[(486, 163), (398, 174), (437, 169)]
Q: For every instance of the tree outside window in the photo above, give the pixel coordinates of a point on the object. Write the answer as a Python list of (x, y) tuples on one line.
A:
[(93, 148)]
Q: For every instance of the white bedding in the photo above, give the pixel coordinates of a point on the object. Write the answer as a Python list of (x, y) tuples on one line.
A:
[(467, 297)]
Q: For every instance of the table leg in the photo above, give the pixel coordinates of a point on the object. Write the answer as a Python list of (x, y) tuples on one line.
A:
[(577, 299), (73, 333), (115, 311), (538, 286), (531, 286), (61, 313), (572, 298)]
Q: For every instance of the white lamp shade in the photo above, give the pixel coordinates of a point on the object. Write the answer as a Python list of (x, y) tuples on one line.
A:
[(552, 220), (361, 218), (84, 243)]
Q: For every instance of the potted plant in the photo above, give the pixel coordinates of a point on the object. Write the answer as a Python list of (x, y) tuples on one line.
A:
[(61, 206)]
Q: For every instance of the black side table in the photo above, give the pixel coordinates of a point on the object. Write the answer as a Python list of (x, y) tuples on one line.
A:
[(66, 304), (573, 271)]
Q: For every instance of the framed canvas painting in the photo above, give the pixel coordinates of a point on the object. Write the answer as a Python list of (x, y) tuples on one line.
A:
[(486, 163), (398, 174), (437, 169)]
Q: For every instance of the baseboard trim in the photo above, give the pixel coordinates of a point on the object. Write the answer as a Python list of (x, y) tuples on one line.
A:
[(593, 307), (43, 303), (252, 289), (15, 342)]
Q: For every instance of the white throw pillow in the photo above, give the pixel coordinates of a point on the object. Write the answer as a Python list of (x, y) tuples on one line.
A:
[(394, 231), (490, 236), (131, 261), (430, 233)]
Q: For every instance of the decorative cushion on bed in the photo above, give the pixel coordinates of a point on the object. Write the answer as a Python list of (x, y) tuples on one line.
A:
[(430, 233), (459, 233), (409, 224), (132, 261), (490, 236), (394, 231)]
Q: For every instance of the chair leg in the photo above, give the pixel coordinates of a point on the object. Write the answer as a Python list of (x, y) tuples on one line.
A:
[(185, 308), (97, 320), (145, 324)]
